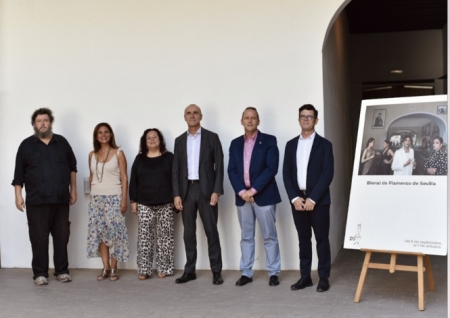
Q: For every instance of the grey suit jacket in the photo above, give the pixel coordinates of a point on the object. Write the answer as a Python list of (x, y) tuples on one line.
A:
[(210, 167)]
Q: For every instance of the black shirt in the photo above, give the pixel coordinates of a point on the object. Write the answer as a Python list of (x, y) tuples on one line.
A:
[(151, 179), (45, 170)]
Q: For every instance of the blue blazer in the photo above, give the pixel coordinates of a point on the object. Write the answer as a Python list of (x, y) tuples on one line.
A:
[(263, 168), (319, 172)]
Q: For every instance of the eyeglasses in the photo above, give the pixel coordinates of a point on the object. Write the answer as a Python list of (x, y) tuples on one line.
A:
[(308, 117)]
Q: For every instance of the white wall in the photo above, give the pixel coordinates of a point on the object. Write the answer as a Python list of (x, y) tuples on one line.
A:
[(338, 123), (137, 64)]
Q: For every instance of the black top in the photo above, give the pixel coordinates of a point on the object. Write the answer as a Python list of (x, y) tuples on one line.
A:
[(45, 170), (438, 160), (151, 179)]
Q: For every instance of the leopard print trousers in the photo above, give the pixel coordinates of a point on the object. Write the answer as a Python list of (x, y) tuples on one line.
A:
[(155, 232)]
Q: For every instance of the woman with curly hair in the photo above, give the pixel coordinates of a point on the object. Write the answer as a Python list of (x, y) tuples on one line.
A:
[(152, 200)]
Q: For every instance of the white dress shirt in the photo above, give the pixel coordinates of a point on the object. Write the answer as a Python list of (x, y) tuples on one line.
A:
[(193, 154), (303, 151)]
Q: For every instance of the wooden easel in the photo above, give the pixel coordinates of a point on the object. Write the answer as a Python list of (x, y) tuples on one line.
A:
[(392, 267)]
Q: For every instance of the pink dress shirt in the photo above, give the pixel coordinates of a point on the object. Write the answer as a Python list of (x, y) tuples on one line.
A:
[(249, 144)]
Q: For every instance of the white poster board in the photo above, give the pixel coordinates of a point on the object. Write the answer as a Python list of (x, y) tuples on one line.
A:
[(401, 211)]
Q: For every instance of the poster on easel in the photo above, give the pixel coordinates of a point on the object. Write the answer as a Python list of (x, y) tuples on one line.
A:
[(398, 198)]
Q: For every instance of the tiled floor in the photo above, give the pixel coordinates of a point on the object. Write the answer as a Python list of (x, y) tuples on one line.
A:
[(384, 294)]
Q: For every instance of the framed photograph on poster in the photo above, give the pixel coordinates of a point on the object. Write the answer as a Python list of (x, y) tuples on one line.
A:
[(442, 110), (427, 129), (379, 117)]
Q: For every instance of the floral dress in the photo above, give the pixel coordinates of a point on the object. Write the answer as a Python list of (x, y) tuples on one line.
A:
[(106, 222)]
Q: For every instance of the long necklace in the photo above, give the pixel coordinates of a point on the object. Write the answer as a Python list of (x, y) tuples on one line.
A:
[(100, 176)]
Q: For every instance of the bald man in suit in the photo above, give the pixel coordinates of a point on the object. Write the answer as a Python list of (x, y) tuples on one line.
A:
[(197, 181)]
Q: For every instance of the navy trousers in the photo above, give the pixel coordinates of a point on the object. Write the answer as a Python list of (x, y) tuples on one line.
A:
[(319, 221)]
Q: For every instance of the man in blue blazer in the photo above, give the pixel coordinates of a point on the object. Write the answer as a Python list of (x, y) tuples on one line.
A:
[(307, 173), (252, 168)]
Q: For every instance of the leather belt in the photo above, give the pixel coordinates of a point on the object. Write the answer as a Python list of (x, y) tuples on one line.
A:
[(304, 191), (193, 181)]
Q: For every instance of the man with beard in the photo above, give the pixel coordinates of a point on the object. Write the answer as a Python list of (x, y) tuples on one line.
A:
[(46, 164)]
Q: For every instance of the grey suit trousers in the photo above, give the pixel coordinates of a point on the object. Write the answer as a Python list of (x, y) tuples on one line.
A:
[(194, 201)]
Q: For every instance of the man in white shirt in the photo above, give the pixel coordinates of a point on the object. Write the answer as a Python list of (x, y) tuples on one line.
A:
[(308, 170)]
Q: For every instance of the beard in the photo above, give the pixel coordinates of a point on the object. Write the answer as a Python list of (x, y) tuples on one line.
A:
[(43, 135)]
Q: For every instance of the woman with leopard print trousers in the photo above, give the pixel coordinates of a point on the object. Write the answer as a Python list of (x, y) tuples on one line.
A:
[(152, 200)]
